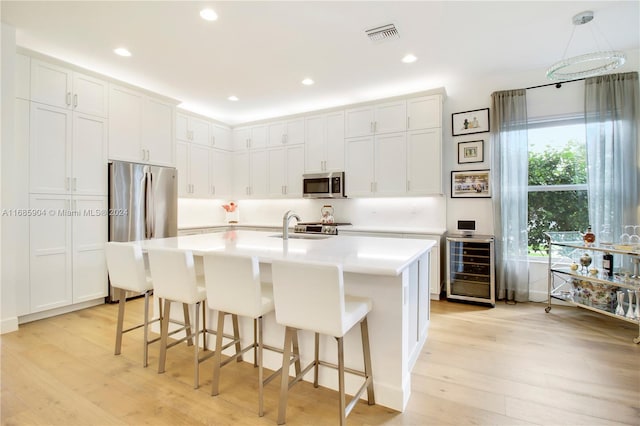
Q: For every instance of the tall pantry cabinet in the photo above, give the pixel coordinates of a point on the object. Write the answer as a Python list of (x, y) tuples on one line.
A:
[(67, 186)]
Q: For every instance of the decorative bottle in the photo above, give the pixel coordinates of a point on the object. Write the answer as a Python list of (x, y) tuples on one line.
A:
[(607, 264), (589, 237)]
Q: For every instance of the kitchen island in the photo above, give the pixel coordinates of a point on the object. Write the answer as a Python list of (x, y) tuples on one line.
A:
[(393, 272)]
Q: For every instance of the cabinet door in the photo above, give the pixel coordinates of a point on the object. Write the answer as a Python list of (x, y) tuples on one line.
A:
[(182, 165), (294, 170), (424, 112), (359, 162), (390, 165), (277, 172), (22, 77), (241, 177), (391, 117), (259, 173), (50, 253), (277, 133), (50, 149), (259, 137), (294, 132), (315, 145), (199, 171), (182, 127), (241, 137), (200, 131), (89, 95), (51, 84), (157, 132), (89, 155), (424, 162), (334, 160), (359, 122), (125, 125), (89, 235), (221, 137), (220, 173)]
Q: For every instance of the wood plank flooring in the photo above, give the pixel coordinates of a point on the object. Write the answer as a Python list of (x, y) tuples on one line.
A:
[(511, 365)]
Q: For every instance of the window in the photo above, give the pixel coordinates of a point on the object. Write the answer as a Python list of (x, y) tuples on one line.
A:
[(557, 179)]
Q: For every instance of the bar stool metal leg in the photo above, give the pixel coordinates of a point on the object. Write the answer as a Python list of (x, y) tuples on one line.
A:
[(145, 351), (217, 357), (187, 322), (258, 351), (316, 359), (164, 336), (343, 403), (284, 382), (119, 327), (196, 349), (364, 329), (236, 336)]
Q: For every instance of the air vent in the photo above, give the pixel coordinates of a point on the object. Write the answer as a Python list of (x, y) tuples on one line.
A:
[(385, 32)]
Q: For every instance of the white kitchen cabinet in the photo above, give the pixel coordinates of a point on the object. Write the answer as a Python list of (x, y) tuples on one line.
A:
[(424, 112), (388, 117), (67, 151), (324, 142), (61, 87), (193, 170), (289, 132), (360, 166), (220, 173), (66, 250), (221, 137), (390, 164), (140, 128), (22, 77), (286, 166), (250, 174), (424, 162), (89, 235), (193, 129), (250, 137)]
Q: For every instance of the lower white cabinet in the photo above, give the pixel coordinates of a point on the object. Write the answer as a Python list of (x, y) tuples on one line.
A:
[(66, 238)]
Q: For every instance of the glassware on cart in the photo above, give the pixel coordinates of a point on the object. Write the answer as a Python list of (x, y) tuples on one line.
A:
[(625, 237), (589, 237), (634, 239), (585, 261), (620, 301), (630, 313), (636, 313), (606, 236)]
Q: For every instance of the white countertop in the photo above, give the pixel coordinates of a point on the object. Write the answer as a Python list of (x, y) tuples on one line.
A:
[(365, 255), (386, 229)]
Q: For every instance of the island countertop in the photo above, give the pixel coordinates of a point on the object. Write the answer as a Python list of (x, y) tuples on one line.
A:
[(364, 255)]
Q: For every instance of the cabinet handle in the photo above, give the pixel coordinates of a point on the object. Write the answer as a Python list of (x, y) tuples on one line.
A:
[(148, 155), (67, 99), (371, 127), (408, 123), (375, 126), (408, 185), (371, 186), (75, 184), (285, 190), (66, 183), (75, 100), (213, 189), (213, 140)]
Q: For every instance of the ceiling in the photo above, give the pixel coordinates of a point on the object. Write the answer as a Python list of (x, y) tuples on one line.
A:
[(261, 51)]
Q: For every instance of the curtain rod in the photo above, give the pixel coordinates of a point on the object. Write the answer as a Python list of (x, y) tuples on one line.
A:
[(558, 84)]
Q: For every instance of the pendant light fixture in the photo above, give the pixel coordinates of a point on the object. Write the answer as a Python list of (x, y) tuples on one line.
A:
[(586, 65)]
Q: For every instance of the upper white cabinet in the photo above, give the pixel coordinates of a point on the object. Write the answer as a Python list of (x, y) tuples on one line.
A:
[(286, 166), (424, 112), (286, 132), (22, 77), (388, 117), (220, 173), (324, 142), (140, 128), (192, 162), (424, 162), (250, 137), (221, 137), (193, 129), (58, 86), (251, 174), (67, 152)]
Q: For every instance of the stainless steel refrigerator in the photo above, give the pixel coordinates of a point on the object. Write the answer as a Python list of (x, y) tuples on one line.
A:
[(143, 203)]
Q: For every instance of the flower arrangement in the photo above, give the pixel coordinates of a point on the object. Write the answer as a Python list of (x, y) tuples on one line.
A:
[(231, 207), (232, 212)]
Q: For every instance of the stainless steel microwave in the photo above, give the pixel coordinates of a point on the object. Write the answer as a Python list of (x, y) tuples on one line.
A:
[(323, 185)]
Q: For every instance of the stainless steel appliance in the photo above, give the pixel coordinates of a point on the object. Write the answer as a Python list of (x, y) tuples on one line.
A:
[(143, 203), (318, 228), (323, 185)]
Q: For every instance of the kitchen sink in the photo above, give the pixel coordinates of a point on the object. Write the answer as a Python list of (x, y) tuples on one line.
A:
[(303, 236)]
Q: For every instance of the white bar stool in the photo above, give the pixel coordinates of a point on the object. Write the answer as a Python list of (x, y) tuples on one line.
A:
[(127, 273), (174, 279), (310, 296), (234, 287)]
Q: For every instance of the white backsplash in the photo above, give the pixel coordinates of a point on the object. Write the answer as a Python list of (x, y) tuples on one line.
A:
[(418, 212)]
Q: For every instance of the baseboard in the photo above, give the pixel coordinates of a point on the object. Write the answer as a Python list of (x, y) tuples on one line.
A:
[(8, 325), (59, 311)]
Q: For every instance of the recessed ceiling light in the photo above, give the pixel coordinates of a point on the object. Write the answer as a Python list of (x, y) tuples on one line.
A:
[(208, 14), (233, 98), (307, 82), (409, 59), (122, 51)]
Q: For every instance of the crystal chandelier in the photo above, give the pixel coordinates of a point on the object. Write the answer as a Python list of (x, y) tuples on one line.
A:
[(587, 65)]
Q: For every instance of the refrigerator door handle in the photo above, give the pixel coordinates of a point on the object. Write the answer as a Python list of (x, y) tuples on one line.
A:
[(148, 205)]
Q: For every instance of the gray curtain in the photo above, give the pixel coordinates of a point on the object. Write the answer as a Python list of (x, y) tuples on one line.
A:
[(510, 176), (611, 108)]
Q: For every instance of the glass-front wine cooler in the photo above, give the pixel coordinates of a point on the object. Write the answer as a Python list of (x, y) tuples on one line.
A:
[(470, 269)]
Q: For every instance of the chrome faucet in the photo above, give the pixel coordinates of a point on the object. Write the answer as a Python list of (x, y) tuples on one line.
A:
[(285, 223)]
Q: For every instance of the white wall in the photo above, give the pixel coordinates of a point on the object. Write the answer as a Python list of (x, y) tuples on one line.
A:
[(8, 315)]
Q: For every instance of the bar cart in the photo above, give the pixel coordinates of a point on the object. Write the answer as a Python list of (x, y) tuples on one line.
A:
[(577, 277)]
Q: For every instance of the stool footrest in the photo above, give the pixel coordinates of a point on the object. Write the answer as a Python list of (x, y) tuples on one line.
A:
[(357, 396), (346, 369)]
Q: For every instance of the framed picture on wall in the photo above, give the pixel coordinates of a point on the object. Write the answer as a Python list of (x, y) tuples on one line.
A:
[(470, 152), (470, 184), (469, 122)]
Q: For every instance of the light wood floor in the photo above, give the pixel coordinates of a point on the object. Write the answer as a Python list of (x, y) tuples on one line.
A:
[(510, 365)]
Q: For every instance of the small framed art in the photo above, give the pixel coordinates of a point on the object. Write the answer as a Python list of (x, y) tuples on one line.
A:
[(470, 184), (470, 152), (468, 122)]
